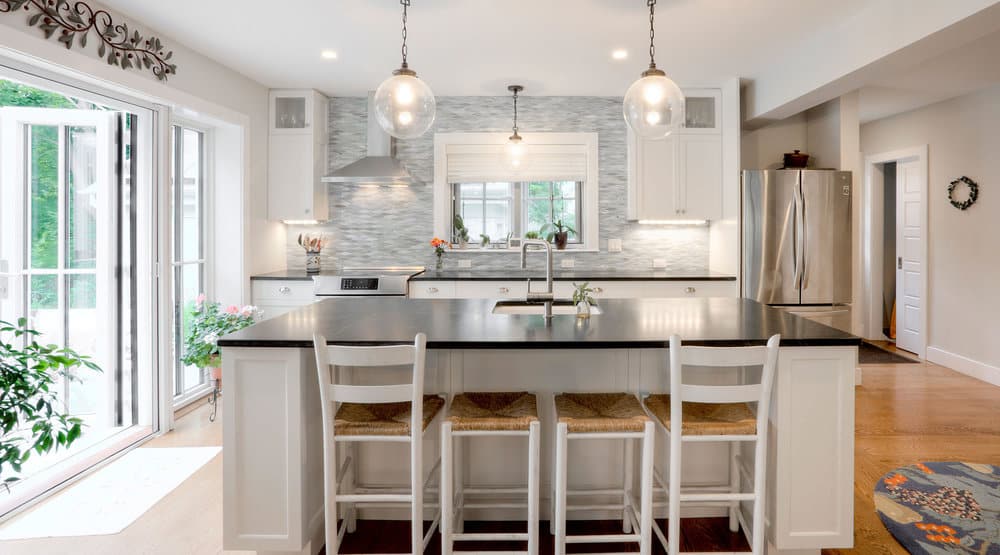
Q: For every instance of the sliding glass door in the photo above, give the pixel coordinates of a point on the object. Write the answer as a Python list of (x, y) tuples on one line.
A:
[(70, 223)]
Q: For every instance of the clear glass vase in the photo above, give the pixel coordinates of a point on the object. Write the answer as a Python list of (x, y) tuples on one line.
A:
[(583, 309)]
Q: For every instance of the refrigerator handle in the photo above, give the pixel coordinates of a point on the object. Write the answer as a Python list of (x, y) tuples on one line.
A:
[(799, 237)]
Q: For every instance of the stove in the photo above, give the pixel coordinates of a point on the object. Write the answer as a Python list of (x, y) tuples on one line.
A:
[(389, 281)]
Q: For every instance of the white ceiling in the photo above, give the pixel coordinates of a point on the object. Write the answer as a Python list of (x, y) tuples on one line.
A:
[(971, 67), (477, 47)]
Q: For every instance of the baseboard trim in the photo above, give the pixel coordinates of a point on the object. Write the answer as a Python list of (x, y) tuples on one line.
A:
[(969, 367)]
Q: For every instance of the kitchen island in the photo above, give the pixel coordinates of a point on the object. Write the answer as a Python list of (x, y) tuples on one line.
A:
[(272, 436)]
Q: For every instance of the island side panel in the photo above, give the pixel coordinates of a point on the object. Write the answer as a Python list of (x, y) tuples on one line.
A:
[(811, 448)]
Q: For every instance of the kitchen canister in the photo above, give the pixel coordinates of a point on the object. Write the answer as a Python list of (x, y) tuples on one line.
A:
[(312, 262)]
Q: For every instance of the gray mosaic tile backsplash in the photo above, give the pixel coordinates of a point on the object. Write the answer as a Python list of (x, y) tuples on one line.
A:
[(393, 225)]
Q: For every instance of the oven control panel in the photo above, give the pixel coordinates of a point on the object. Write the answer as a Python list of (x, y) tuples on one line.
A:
[(359, 284)]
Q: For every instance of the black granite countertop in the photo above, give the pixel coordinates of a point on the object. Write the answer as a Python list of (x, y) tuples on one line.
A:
[(576, 274), (517, 274), (470, 324)]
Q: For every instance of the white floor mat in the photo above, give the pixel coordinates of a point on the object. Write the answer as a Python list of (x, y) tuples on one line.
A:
[(112, 498)]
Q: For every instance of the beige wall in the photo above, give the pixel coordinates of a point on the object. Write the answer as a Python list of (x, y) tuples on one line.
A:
[(963, 138), (203, 88)]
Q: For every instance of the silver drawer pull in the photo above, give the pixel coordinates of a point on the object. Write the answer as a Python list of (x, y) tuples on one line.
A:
[(432, 289), (689, 290), (505, 289), (284, 290), (598, 290)]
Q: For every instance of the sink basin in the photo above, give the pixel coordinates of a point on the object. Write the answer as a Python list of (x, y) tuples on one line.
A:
[(559, 308)]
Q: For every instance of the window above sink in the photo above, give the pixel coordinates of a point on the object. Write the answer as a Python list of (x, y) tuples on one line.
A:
[(558, 183)]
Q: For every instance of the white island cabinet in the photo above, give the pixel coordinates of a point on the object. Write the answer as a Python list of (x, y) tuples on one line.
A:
[(272, 441)]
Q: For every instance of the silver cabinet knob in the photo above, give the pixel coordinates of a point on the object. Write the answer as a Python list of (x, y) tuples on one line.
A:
[(284, 290), (432, 290), (505, 289), (689, 290)]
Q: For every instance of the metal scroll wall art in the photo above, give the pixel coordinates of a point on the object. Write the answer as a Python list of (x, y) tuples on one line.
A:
[(972, 197), (73, 23)]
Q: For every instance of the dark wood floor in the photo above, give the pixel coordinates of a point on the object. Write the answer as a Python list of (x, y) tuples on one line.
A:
[(393, 536)]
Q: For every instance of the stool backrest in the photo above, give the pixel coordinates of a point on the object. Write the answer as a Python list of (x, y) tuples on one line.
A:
[(329, 357), (722, 357)]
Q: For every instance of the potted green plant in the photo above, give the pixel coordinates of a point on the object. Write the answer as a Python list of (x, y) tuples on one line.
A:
[(532, 235), (583, 299), (557, 232), (461, 232), (31, 414), (208, 321), (484, 240)]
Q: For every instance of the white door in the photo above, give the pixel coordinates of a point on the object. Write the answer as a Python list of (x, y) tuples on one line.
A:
[(911, 270), (57, 240)]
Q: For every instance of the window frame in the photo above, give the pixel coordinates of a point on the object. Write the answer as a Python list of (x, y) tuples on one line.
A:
[(588, 197), (181, 399), (518, 201)]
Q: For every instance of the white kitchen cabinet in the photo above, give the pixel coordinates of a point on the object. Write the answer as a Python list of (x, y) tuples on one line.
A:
[(276, 297), (297, 156), (679, 177), (517, 289)]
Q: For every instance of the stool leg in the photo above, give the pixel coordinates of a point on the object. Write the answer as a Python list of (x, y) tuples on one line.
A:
[(352, 511), (560, 488), (446, 495), (759, 492), (416, 493), (533, 474), (458, 469), (629, 479), (734, 485), (330, 464), (674, 485), (646, 517)]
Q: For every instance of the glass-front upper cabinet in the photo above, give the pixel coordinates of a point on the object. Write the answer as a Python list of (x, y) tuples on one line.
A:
[(292, 111), (702, 110)]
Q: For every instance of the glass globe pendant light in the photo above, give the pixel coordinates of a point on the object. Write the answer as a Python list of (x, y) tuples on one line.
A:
[(654, 105), (405, 105), (515, 149)]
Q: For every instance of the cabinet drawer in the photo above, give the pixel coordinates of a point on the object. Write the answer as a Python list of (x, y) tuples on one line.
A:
[(292, 292), (494, 289), (653, 289), (432, 290)]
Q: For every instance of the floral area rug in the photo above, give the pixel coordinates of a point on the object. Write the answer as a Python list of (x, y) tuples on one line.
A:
[(939, 508)]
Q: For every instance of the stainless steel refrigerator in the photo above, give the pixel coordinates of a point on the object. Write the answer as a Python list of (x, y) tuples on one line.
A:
[(797, 242)]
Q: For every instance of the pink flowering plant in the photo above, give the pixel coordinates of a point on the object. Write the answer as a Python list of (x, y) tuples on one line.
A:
[(206, 323)]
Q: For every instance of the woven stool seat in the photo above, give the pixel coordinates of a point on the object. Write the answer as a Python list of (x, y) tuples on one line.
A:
[(706, 419), (493, 411), (600, 412), (382, 419)]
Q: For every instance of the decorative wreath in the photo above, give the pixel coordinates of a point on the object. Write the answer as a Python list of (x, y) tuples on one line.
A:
[(973, 193)]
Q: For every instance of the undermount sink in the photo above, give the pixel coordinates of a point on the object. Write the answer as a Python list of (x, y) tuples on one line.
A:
[(559, 308)]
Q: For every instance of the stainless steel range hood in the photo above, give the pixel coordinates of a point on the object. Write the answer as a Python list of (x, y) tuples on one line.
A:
[(380, 166)]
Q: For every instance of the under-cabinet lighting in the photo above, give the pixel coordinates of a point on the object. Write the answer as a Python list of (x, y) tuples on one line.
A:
[(300, 222), (673, 222)]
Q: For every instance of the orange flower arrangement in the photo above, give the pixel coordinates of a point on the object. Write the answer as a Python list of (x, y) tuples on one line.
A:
[(439, 245)]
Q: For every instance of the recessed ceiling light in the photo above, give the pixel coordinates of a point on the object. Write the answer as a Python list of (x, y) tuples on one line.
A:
[(329, 54), (619, 54)]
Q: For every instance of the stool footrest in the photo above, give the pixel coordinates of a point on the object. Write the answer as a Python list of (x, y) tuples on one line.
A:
[(603, 538), (491, 536)]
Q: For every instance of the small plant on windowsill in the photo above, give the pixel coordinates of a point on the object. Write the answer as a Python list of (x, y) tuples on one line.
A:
[(32, 418), (461, 232), (484, 240), (532, 235), (208, 321), (583, 299), (557, 232)]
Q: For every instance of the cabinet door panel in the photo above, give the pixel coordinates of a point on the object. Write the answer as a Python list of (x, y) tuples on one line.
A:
[(701, 177), (657, 173), (432, 290), (290, 186)]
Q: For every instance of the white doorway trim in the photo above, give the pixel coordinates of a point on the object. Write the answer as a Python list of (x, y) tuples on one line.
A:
[(872, 226)]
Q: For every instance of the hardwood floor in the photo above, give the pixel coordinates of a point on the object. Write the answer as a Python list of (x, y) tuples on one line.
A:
[(906, 413)]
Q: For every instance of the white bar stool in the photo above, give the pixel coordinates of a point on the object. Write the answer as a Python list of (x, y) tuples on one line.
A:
[(719, 413), (588, 416), (488, 415), (374, 413)]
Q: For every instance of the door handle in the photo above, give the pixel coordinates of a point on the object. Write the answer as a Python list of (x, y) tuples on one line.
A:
[(799, 231), (899, 262)]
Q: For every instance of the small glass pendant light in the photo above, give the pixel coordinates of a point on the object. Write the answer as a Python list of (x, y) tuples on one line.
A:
[(654, 105), (405, 105), (515, 150)]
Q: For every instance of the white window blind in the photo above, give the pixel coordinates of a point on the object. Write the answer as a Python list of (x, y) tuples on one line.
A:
[(543, 162)]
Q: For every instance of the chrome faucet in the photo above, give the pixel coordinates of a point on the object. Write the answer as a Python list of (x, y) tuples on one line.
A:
[(548, 295)]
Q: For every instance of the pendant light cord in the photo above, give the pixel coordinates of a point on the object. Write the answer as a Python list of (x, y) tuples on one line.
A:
[(405, 4), (652, 33), (515, 112)]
